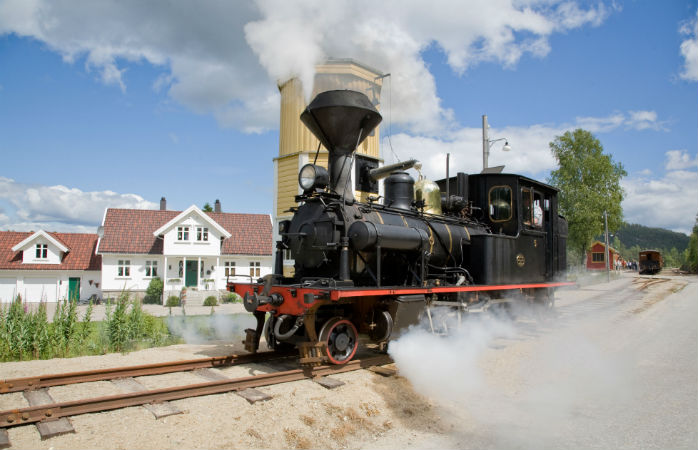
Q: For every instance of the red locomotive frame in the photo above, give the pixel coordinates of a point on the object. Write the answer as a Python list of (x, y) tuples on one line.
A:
[(297, 298)]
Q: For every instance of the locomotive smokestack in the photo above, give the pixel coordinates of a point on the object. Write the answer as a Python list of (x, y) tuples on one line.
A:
[(341, 120)]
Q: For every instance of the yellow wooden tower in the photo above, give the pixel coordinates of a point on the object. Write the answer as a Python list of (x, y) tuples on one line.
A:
[(297, 145)]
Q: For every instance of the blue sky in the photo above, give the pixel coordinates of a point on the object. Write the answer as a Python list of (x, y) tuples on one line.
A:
[(115, 104)]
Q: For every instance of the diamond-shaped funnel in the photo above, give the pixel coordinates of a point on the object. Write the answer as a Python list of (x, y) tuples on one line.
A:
[(337, 118)]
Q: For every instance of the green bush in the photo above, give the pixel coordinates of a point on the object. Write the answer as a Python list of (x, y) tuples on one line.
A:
[(173, 300), (153, 294), (210, 301), (232, 297)]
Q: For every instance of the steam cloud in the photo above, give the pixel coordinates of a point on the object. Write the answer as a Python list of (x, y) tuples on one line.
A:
[(524, 381), (215, 327)]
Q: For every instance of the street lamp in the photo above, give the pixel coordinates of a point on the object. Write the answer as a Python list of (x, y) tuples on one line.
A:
[(487, 144)]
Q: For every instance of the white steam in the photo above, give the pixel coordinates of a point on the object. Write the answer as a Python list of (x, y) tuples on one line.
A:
[(446, 367), (215, 327), (525, 382)]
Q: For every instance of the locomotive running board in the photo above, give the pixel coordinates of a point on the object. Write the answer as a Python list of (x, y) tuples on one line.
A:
[(336, 294)]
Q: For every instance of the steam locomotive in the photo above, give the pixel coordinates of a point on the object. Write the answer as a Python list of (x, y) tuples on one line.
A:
[(372, 268)]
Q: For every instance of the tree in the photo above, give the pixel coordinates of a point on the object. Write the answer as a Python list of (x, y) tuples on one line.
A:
[(589, 183), (207, 207), (691, 255)]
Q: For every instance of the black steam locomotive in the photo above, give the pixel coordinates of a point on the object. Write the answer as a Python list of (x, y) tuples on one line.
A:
[(372, 267)]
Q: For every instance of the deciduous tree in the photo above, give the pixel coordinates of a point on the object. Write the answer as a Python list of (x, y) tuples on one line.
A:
[(589, 183)]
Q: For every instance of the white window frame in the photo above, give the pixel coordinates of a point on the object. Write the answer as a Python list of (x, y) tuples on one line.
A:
[(41, 251), (123, 268), (151, 269), (229, 268), (183, 233), (202, 234), (255, 268)]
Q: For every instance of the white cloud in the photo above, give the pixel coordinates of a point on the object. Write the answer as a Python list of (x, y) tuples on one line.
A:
[(530, 152), (60, 208), (221, 58), (689, 50), (667, 202), (679, 160), (633, 120)]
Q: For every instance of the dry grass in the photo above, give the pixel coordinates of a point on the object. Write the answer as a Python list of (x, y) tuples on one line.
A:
[(253, 433), (295, 440), (309, 421), (369, 409)]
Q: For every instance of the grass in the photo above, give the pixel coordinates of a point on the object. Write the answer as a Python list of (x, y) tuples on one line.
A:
[(28, 334)]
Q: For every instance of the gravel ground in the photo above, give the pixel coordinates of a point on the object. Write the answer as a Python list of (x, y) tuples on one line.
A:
[(565, 380)]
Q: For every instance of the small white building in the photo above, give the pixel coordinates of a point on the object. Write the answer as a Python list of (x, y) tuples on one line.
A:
[(43, 266), (194, 249)]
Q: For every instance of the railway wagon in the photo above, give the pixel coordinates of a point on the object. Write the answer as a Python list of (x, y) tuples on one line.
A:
[(372, 268), (650, 262)]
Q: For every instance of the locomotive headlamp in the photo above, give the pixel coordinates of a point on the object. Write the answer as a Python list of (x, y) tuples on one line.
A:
[(313, 177)]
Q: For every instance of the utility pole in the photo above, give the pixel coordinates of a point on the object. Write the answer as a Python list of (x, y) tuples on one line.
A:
[(608, 249), (485, 143)]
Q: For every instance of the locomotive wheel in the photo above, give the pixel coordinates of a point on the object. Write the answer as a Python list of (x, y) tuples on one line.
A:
[(341, 340), (383, 327)]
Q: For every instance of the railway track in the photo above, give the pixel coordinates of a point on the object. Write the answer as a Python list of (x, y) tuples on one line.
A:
[(54, 411), (60, 379)]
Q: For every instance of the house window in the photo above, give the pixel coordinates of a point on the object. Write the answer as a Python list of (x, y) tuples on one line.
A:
[(255, 269), (201, 234), (597, 257), (123, 269), (182, 233), (287, 254), (41, 251), (151, 268), (230, 268), (181, 269)]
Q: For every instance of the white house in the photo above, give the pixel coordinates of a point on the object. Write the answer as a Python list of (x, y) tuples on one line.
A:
[(43, 266), (192, 248)]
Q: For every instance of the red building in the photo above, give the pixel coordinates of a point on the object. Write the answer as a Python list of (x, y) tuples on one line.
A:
[(596, 256)]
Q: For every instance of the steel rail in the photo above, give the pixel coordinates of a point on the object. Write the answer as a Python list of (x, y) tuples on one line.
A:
[(59, 379), (23, 416)]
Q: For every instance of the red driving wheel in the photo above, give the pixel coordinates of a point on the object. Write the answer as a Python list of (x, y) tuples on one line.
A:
[(341, 339)]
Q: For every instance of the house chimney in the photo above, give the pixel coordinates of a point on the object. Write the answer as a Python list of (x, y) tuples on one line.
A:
[(163, 204), (217, 206)]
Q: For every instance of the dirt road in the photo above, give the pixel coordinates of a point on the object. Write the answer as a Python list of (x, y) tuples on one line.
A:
[(614, 366)]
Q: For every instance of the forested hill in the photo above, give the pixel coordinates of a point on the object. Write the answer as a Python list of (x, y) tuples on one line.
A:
[(634, 235)]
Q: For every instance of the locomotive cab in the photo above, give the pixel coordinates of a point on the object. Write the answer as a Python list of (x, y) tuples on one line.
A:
[(527, 238)]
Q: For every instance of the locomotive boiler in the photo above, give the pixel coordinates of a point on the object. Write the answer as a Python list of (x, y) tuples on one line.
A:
[(371, 268)]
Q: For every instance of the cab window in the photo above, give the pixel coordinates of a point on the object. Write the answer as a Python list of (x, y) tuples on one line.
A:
[(526, 206), (500, 203), (537, 210)]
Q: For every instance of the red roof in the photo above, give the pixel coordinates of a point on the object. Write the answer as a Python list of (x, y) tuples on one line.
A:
[(131, 231), (81, 254)]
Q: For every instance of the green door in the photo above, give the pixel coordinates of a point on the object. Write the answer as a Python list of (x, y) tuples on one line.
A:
[(74, 289), (190, 274)]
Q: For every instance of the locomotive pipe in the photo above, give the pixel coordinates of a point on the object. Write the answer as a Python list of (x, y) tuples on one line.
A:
[(365, 235), (277, 327), (382, 172)]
